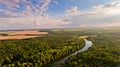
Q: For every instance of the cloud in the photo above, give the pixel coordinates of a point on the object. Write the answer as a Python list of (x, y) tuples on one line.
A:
[(98, 16), (56, 2), (32, 22), (32, 16), (7, 14), (44, 6), (72, 11), (110, 8), (35, 7), (110, 24), (10, 4)]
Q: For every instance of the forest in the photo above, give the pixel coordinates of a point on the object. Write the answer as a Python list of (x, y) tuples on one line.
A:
[(45, 50), (105, 51), (38, 52)]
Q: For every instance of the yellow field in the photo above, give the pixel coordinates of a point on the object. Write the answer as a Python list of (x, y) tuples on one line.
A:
[(83, 37), (16, 37), (21, 34), (30, 32)]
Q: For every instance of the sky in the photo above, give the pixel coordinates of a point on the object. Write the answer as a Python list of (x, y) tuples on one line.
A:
[(39, 14)]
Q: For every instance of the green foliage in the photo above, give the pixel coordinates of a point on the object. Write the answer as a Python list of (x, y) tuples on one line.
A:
[(42, 51), (38, 52), (105, 51)]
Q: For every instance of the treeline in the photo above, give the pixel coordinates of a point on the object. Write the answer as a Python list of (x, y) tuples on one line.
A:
[(105, 52), (38, 52)]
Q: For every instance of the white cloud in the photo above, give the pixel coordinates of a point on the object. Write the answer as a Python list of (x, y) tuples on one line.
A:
[(44, 5), (101, 15), (32, 22), (7, 13), (110, 24), (106, 15), (56, 2), (110, 8), (35, 9), (72, 11), (10, 4), (32, 16)]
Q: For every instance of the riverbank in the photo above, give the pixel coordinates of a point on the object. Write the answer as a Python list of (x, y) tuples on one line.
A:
[(87, 45)]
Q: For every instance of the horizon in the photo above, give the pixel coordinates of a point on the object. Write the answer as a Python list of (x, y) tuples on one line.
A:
[(48, 14), (43, 29)]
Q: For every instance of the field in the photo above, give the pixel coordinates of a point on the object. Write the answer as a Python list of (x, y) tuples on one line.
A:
[(28, 32), (83, 37), (21, 34), (16, 37), (45, 50)]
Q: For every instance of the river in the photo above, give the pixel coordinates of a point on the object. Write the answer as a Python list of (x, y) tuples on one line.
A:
[(87, 45)]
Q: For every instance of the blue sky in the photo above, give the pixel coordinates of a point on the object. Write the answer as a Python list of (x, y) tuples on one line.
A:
[(19, 14), (82, 4)]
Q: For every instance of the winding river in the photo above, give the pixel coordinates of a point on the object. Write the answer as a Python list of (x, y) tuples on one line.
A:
[(87, 45)]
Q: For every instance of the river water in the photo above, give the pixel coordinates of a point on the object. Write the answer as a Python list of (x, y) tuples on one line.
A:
[(87, 45)]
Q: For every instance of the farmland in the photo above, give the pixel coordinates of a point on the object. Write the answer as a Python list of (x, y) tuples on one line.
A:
[(21, 34)]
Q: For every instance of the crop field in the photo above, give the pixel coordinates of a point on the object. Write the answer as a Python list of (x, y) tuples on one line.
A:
[(16, 37), (21, 34)]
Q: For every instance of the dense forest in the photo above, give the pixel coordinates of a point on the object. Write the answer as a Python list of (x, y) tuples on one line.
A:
[(38, 52), (105, 51), (45, 50)]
